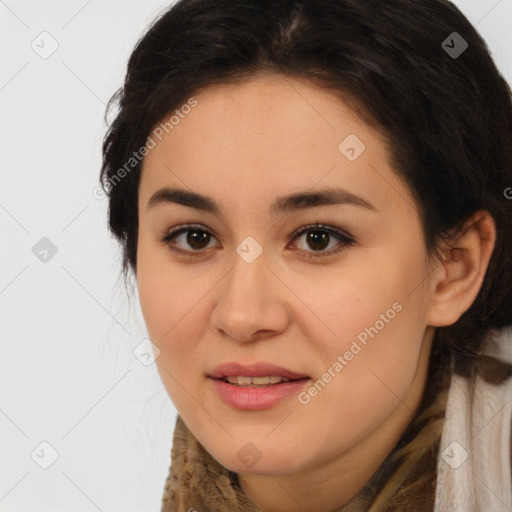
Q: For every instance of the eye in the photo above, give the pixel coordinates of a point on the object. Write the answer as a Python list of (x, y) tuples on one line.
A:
[(319, 237), (195, 237), (196, 240)]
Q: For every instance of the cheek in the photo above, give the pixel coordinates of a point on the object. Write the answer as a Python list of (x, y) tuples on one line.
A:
[(175, 306), (174, 319), (358, 302), (168, 295), (173, 312), (371, 378), (380, 353), (376, 325)]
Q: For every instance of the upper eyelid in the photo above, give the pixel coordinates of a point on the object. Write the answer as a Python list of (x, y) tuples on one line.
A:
[(321, 227), (186, 227), (307, 227)]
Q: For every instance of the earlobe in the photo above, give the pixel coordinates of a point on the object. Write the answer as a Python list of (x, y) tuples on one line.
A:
[(460, 274)]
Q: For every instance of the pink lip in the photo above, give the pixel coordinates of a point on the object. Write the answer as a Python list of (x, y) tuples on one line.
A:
[(260, 369), (246, 398), (251, 399)]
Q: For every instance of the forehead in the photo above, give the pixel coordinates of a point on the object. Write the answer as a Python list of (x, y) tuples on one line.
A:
[(270, 132)]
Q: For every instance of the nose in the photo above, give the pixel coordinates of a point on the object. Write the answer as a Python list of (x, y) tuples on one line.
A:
[(251, 302)]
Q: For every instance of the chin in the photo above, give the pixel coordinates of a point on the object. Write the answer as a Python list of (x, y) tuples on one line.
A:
[(249, 460)]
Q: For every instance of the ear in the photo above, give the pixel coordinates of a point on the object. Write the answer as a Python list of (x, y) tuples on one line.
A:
[(459, 274)]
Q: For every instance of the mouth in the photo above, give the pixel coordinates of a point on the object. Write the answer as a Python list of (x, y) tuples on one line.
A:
[(256, 392), (257, 382), (255, 386), (255, 374)]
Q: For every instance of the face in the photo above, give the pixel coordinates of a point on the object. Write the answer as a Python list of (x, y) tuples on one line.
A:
[(332, 286)]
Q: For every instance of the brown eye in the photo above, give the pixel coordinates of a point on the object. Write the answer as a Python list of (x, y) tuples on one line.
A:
[(196, 238), (318, 238), (188, 239)]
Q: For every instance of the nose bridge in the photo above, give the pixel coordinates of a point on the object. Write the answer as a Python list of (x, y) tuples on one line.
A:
[(247, 286), (249, 300)]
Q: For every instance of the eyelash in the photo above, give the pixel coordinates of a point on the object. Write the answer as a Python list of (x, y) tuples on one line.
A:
[(345, 240)]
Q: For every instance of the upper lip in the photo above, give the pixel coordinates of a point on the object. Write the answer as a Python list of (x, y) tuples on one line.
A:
[(260, 369)]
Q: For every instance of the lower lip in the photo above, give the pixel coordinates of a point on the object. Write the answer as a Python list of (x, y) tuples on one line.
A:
[(253, 399)]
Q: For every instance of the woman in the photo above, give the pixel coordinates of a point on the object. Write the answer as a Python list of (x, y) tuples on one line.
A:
[(312, 195)]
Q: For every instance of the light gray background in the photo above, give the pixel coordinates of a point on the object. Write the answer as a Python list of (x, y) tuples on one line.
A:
[(68, 373)]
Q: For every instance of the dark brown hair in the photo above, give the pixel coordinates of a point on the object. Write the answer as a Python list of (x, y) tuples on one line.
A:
[(447, 117)]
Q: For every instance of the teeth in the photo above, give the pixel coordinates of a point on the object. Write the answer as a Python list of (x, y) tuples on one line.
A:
[(258, 381)]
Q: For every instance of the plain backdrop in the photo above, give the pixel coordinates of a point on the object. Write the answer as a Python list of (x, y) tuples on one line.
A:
[(84, 424)]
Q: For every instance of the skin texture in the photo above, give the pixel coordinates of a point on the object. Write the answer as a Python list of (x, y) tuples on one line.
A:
[(244, 145)]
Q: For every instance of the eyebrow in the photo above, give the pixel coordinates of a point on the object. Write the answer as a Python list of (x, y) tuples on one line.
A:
[(284, 204)]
